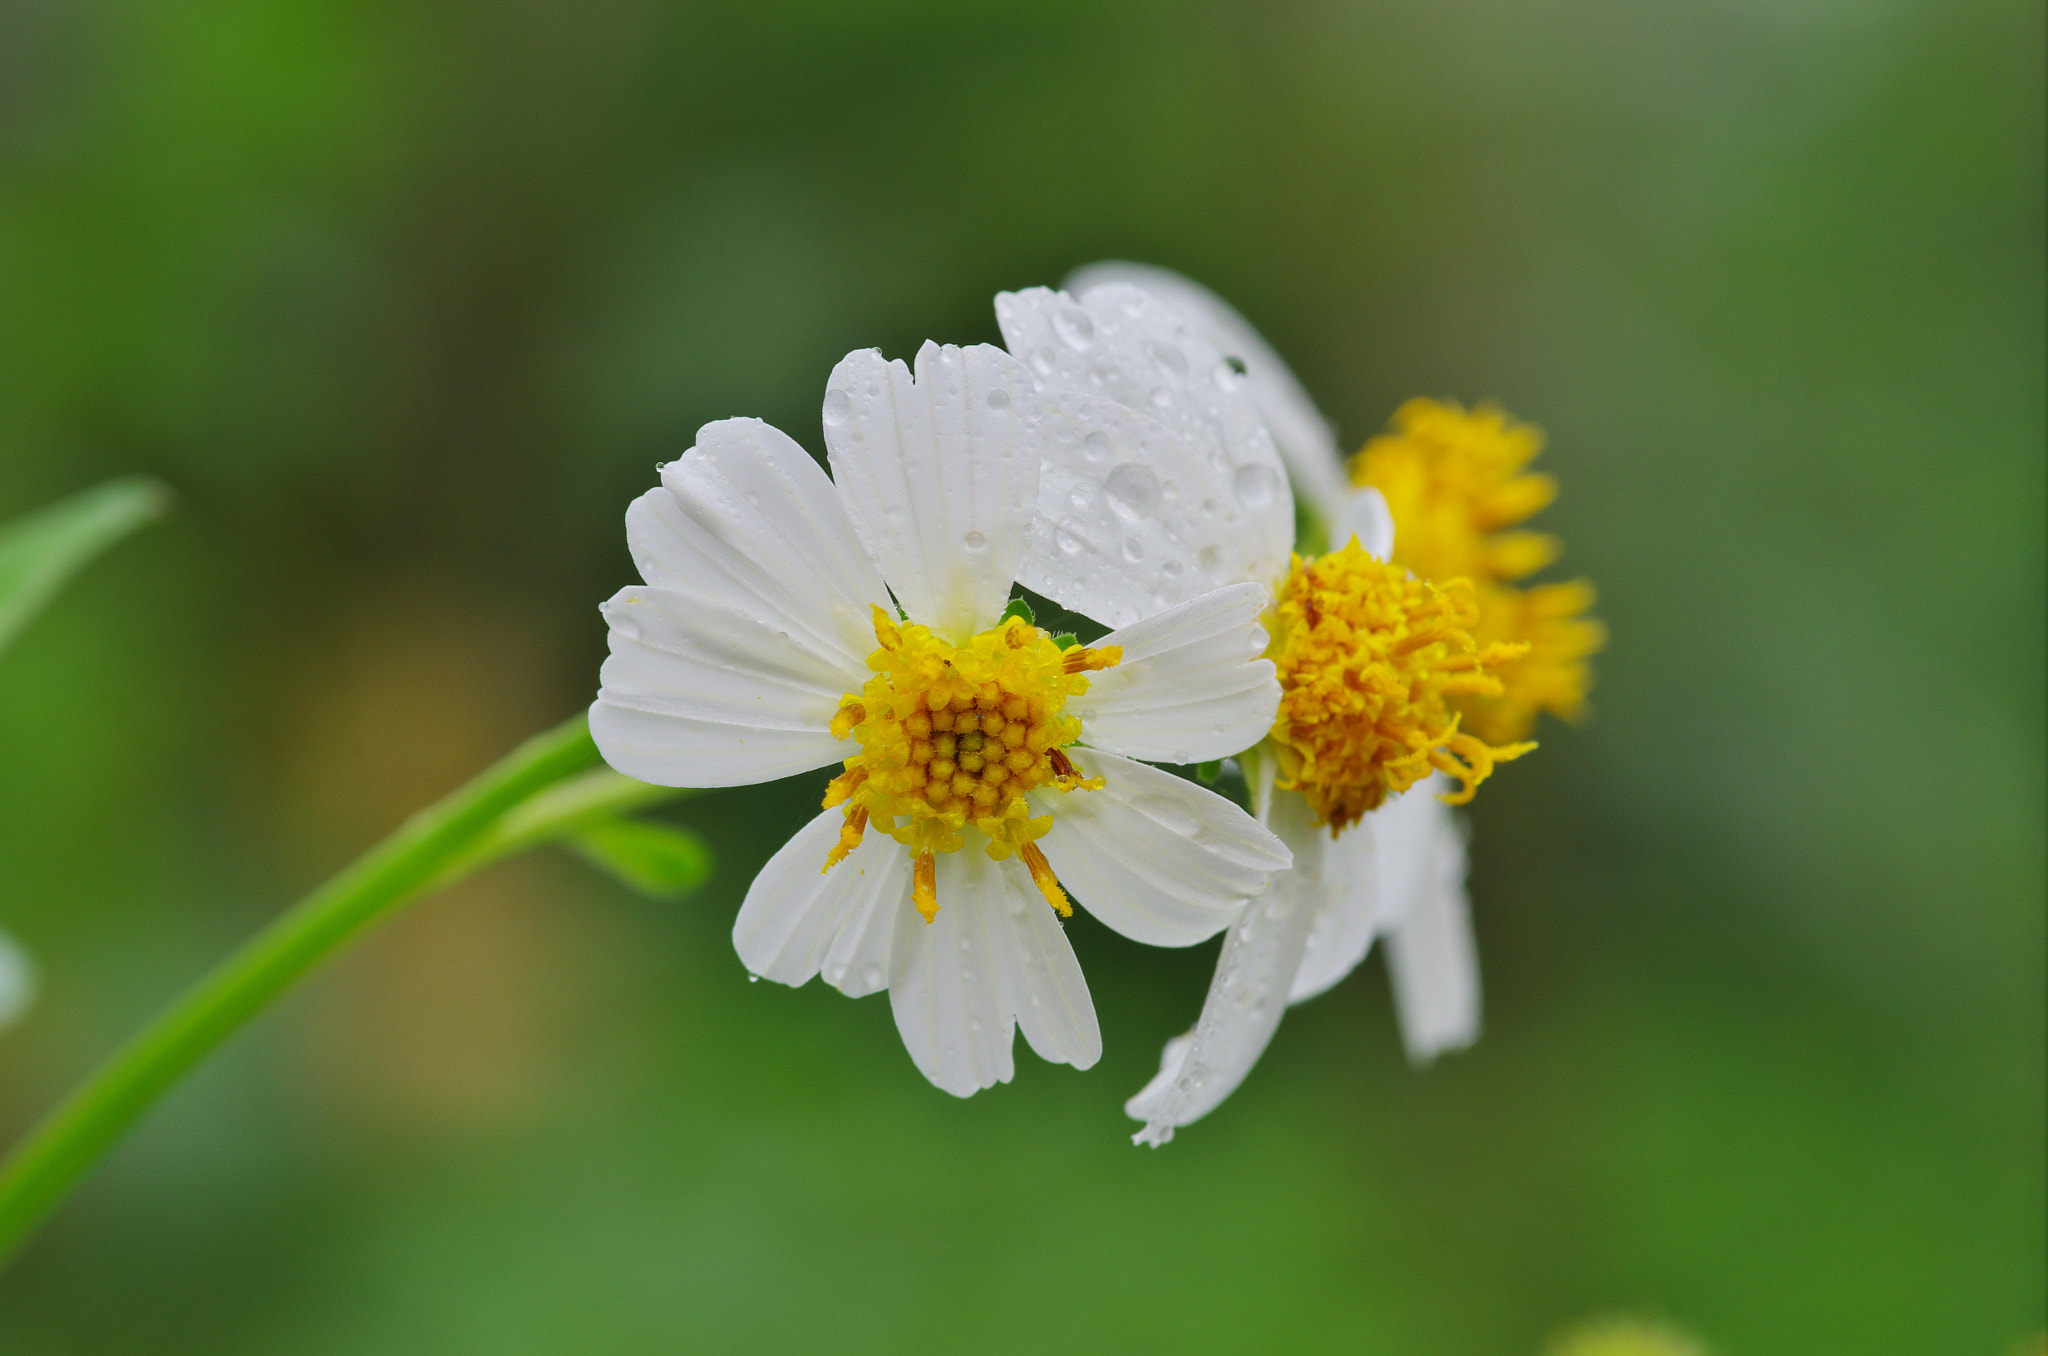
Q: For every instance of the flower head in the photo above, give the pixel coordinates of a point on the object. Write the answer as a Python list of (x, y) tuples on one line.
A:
[(1374, 663), (984, 771), (1458, 484)]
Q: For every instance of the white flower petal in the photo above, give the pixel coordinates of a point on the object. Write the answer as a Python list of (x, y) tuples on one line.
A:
[(1116, 536), (947, 984), (797, 916), (1191, 686), (17, 980), (1229, 490), (1347, 910), (939, 472), (747, 520), (697, 694), (1158, 858), (1430, 953), (1367, 518), (1305, 438), (1261, 953), (1043, 985)]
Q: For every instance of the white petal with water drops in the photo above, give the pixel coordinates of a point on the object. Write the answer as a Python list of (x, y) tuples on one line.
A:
[(1247, 996), (1306, 440), (938, 469), (1232, 505)]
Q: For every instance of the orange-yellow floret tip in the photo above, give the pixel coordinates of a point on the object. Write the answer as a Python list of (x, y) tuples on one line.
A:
[(1370, 660), (952, 737), (1456, 483), (924, 885)]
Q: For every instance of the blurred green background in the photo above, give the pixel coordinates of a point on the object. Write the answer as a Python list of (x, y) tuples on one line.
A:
[(406, 301)]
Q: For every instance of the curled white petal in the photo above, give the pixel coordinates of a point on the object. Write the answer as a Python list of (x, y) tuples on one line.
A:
[(1192, 685), (938, 469), (1248, 995), (1306, 439), (1154, 856), (1431, 957), (1347, 907), (1365, 516), (798, 918), (700, 694)]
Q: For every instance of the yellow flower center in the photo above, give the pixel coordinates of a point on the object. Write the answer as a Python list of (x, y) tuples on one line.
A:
[(1370, 661), (1455, 482), (953, 736)]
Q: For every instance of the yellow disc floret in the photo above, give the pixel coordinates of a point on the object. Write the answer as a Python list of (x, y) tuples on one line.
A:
[(1370, 660), (1456, 483), (952, 737)]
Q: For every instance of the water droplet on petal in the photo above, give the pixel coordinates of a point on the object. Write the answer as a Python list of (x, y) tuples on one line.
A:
[(1254, 485), (837, 406), (1042, 358), (999, 399), (1134, 550), (1068, 543), (871, 976), (1074, 328), (753, 979), (1095, 446), (1170, 358), (975, 541), (1133, 489)]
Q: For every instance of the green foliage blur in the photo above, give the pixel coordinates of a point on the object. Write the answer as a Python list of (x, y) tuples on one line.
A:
[(405, 301)]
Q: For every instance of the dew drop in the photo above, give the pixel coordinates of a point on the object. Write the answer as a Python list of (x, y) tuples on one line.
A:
[(1083, 497), (1161, 397), (1133, 489), (624, 623), (1170, 358), (1172, 567), (1212, 556), (753, 979), (871, 976), (1068, 543), (1134, 550), (837, 406), (1254, 484), (999, 399), (1042, 358), (1095, 446), (975, 541), (1227, 373), (1074, 328)]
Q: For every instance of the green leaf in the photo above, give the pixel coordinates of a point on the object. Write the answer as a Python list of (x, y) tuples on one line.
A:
[(40, 552), (1210, 772), (1066, 640), (658, 860), (1018, 608)]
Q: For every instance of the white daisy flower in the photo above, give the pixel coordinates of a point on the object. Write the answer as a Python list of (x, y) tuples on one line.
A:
[(1366, 656), (983, 770)]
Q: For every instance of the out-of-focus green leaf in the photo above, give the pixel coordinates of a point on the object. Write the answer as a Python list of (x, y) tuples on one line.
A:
[(658, 860), (41, 551)]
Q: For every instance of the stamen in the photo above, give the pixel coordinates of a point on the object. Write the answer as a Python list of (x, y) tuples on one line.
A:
[(1042, 876), (850, 834), (924, 885)]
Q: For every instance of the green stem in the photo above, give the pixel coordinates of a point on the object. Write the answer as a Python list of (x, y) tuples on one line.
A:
[(504, 810)]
